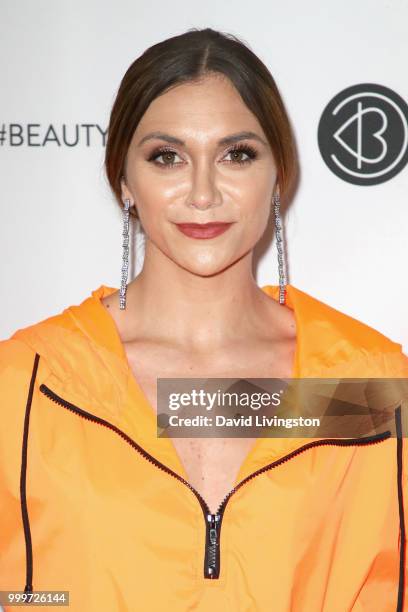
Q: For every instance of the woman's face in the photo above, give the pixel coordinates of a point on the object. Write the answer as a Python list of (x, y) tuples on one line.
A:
[(186, 174)]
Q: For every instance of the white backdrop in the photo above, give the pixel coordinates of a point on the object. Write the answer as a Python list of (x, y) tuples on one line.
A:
[(61, 63)]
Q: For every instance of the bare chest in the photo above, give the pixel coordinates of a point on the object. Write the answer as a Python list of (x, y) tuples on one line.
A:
[(211, 464)]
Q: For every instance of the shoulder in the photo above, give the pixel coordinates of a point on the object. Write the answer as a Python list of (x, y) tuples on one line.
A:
[(20, 357), (341, 341), (18, 363), (15, 357), (46, 339), (322, 313)]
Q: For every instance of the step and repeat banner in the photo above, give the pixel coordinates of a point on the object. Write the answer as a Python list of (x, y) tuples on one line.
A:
[(341, 71)]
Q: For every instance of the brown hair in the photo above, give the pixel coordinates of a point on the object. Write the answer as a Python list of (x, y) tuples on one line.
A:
[(189, 57)]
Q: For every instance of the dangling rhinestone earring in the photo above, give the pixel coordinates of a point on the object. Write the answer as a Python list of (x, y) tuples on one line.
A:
[(280, 247), (125, 257)]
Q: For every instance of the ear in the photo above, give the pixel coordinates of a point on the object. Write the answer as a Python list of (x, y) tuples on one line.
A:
[(276, 189), (126, 195)]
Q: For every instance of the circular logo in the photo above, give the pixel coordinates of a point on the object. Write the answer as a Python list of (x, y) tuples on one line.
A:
[(363, 134)]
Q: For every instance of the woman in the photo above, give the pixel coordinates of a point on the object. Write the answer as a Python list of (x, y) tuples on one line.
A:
[(92, 501)]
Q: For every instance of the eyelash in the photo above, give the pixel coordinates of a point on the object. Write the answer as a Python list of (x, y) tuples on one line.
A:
[(250, 151)]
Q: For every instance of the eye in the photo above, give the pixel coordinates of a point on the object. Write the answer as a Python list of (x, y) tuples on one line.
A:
[(166, 154), (238, 150)]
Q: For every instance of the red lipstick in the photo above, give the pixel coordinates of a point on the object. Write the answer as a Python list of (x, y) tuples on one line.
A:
[(203, 230)]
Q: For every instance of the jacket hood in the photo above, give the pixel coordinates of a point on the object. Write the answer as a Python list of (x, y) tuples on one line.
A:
[(83, 360), (326, 339), (83, 352)]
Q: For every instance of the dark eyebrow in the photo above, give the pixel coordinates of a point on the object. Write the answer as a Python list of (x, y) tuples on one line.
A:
[(223, 141)]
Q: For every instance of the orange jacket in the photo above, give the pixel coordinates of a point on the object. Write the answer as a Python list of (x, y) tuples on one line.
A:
[(94, 503)]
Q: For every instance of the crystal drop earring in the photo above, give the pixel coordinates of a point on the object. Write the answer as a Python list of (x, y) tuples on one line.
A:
[(125, 256), (280, 247)]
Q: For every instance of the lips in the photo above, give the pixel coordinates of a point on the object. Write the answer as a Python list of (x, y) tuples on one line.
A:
[(202, 225), (203, 230)]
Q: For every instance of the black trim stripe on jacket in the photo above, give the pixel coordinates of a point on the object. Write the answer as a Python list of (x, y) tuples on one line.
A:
[(398, 428), (26, 522)]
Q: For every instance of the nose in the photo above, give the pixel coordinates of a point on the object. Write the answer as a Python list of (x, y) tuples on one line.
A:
[(204, 191)]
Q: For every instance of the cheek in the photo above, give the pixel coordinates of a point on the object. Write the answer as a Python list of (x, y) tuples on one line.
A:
[(255, 194), (151, 200), (256, 208)]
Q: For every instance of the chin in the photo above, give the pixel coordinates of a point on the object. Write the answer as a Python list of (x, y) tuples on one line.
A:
[(205, 270)]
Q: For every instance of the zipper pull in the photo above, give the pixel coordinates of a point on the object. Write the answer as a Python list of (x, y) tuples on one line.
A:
[(212, 552)]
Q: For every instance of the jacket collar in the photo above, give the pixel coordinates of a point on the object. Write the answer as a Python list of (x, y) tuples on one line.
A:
[(86, 364)]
